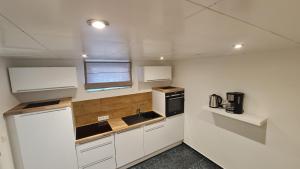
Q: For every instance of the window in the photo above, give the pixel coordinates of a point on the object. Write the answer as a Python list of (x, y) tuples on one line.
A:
[(101, 74)]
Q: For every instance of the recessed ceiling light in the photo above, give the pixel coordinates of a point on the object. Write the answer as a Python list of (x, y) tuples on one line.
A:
[(162, 58), (84, 55), (98, 24), (238, 46)]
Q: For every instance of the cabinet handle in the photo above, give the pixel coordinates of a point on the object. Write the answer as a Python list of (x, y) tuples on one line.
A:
[(176, 98), (97, 162), (155, 128), (96, 146)]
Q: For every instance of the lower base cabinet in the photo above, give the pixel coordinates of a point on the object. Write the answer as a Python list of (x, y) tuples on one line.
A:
[(174, 129), (155, 137), (129, 146), (163, 134), (99, 154), (123, 148)]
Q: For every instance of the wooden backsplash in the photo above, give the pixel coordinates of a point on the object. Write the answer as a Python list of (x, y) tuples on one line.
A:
[(87, 112)]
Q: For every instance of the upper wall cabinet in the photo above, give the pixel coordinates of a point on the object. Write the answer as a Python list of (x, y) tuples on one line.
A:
[(28, 79), (155, 73)]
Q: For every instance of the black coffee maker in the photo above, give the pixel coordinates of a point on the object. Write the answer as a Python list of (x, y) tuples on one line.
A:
[(235, 102)]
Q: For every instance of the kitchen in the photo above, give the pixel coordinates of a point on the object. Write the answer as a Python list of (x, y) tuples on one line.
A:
[(110, 64)]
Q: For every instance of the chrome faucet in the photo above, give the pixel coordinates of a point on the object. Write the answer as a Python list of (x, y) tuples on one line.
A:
[(138, 110)]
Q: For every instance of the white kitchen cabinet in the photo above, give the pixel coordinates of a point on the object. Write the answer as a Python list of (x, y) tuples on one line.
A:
[(155, 137), (107, 163), (174, 129), (98, 154), (43, 140), (155, 73), (28, 79), (129, 146)]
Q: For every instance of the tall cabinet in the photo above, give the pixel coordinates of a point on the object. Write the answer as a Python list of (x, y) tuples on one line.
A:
[(43, 140)]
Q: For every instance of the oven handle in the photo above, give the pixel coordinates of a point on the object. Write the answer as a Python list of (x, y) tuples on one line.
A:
[(175, 98), (173, 95)]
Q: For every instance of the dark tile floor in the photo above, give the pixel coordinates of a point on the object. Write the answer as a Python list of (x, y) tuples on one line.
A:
[(180, 157)]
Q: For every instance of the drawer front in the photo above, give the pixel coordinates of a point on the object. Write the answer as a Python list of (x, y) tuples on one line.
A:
[(105, 163), (94, 151)]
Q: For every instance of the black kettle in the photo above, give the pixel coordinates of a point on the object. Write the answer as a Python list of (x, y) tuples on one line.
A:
[(215, 101)]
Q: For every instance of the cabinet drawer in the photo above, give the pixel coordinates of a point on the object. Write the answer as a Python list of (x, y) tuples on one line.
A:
[(105, 163), (94, 151)]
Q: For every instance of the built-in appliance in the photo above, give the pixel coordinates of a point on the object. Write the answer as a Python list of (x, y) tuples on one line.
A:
[(235, 102), (168, 101), (174, 103), (215, 101), (92, 129), (41, 104), (167, 87)]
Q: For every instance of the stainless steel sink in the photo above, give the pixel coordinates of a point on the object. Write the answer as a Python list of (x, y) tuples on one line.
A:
[(142, 117)]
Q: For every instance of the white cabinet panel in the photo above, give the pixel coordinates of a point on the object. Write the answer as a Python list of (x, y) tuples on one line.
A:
[(27, 79), (129, 146), (155, 137), (92, 152), (175, 129), (155, 73), (45, 140), (105, 163)]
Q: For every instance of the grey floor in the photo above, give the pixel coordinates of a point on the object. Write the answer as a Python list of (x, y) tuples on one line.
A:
[(180, 157)]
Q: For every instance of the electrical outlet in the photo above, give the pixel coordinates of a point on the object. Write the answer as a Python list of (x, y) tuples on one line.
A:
[(103, 118)]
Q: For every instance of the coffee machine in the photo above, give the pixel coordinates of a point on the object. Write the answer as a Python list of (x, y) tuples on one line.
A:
[(235, 102)]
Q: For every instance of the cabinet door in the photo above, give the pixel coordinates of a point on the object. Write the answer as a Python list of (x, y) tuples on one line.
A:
[(42, 78), (155, 137), (156, 73), (175, 128), (129, 146), (47, 140)]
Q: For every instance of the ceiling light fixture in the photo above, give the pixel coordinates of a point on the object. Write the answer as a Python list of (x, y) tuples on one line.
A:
[(238, 46), (84, 55), (162, 58), (98, 24)]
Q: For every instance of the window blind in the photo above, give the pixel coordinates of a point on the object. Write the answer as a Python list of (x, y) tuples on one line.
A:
[(107, 74)]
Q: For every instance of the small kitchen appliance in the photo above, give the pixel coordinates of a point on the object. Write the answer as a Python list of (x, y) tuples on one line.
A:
[(215, 101), (235, 102)]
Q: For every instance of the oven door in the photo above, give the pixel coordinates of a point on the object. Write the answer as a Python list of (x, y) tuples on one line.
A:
[(174, 104)]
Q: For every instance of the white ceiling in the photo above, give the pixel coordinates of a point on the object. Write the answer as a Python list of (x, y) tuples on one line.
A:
[(146, 29)]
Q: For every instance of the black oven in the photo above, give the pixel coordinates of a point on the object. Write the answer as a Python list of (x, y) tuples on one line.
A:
[(174, 103)]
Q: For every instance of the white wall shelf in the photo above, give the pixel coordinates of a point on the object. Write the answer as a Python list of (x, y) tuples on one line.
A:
[(247, 118)]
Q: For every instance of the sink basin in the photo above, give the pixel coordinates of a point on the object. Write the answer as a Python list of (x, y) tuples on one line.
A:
[(92, 129), (134, 119)]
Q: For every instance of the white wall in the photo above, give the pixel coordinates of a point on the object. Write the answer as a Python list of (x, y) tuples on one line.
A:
[(7, 101), (81, 93), (271, 82)]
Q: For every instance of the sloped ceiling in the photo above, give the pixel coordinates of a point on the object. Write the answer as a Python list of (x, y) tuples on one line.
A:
[(146, 29)]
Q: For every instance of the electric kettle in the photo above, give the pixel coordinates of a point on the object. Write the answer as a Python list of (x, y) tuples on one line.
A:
[(215, 101)]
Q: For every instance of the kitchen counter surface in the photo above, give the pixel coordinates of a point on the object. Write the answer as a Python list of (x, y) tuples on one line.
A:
[(118, 126), (19, 109), (174, 89)]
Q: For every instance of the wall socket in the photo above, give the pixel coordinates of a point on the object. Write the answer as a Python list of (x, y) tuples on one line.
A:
[(103, 118)]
